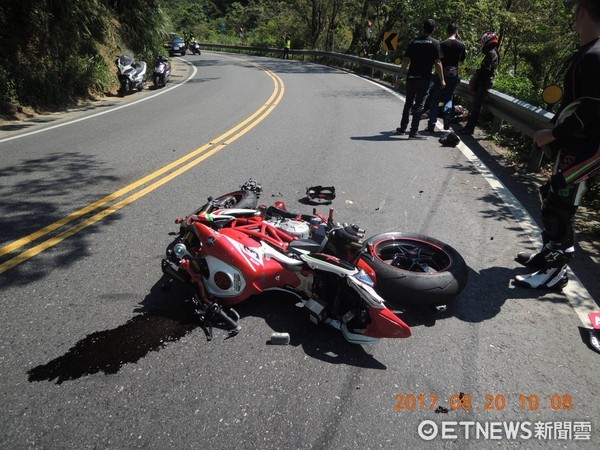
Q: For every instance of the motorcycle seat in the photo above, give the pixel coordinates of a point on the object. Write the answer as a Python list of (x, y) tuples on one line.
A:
[(273, 211)]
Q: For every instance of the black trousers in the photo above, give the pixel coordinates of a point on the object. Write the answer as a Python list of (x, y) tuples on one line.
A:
[(478, 99), (416, 90)]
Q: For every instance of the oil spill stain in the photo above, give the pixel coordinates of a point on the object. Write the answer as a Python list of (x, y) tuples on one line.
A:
[(107, 351)]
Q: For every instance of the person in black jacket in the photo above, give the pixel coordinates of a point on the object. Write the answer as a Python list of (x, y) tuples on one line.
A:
[(454, 53), (422, 54), (575, 143), (484, 77)]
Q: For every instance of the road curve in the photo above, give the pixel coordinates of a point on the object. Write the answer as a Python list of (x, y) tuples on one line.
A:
[(93, 353)]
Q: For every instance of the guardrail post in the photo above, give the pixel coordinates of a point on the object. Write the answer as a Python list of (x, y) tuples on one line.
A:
[(535, 159)]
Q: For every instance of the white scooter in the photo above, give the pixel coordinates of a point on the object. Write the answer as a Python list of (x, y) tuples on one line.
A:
[(131, 73)]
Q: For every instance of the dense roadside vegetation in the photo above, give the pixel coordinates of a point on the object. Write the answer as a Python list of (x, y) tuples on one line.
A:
[(55, 52)]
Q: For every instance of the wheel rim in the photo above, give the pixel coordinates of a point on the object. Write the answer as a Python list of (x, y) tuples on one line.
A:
[(413, 255)]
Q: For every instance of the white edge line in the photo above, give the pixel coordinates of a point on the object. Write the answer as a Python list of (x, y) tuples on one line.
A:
[(578, 296), (81, 119)]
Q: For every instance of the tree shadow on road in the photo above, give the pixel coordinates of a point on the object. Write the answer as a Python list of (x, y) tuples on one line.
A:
[(33, 195)]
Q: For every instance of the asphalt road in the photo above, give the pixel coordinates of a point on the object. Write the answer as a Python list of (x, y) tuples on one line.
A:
[(93, 353)]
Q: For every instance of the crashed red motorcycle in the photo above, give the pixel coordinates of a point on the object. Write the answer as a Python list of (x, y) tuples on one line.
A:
[(228, 251)]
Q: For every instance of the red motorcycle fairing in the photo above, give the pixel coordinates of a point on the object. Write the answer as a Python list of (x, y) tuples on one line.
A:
[(238, 266), (386, 324), (361, 264)]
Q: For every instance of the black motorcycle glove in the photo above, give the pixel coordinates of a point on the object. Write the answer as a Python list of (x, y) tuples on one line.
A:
[(350, 233)]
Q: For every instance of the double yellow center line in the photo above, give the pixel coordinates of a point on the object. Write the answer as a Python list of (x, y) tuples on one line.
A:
[(105, 206)]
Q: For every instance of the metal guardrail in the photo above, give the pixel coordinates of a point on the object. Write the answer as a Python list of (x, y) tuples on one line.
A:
[(524, 117)]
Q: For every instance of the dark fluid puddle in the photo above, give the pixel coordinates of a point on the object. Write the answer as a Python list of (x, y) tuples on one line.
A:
[(107, 351), (164, 319)]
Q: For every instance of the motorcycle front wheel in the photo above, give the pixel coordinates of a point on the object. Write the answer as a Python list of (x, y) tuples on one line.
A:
[(413, 269), (124, 89)]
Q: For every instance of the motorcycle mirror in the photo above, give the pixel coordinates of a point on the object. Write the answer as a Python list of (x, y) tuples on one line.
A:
[(552, 94)]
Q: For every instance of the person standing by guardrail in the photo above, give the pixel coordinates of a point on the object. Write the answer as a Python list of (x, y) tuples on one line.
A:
[(483, 79), (575, 142), (422, 54), (287, 45), (453, 50)]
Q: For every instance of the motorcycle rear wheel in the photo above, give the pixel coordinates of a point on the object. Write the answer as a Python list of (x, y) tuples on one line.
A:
[(413, 269)]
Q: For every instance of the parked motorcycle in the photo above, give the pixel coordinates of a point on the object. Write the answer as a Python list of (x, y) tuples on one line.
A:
[(131, 74), (229, 251), (194, 47), (162, 72)]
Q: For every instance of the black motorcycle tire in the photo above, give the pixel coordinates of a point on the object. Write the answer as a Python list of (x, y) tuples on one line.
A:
[(125, 88), (414, 269), (156, 81)]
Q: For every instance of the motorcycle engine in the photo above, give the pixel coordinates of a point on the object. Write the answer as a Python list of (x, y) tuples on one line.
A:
[(296, 228)]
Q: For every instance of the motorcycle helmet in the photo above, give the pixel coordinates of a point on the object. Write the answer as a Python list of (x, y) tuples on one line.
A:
[(489, 38), (449, 140)]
